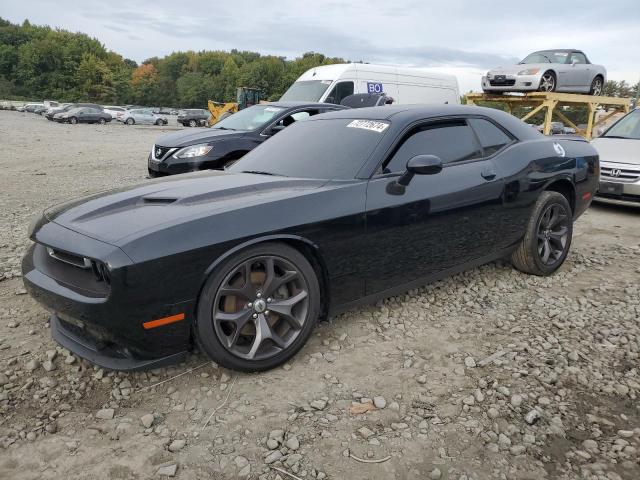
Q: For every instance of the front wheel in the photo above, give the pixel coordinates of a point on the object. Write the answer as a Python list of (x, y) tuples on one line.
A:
[(547, 239), (258, 308), (547, 82), (102, 121), (159, 122), (73, 120), (130, 121), (193, 123)]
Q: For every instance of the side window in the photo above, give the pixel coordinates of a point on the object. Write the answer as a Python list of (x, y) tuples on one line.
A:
[(451, 141), (577, 57), (340, 91), (491, 137)]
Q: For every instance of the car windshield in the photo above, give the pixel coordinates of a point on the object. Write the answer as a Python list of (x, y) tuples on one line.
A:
[(546, 56), (307, 91), (250, 118), (322, 149), (627, 127)]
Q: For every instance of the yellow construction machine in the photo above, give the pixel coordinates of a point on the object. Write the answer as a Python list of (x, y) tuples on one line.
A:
[(245, 97)]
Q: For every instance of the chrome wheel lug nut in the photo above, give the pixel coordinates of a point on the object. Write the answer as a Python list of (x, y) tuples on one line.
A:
[(269, 300), (249, 305), (258, 294), (255, 315), (266, 312)]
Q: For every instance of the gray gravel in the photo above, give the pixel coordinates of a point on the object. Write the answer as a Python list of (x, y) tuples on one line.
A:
[(489, 374)]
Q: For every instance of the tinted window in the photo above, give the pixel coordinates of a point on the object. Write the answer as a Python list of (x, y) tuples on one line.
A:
[(326, 149), (340, 91), (491, 137), (452, 142), (626, 127), (577, 57), (250, 118)]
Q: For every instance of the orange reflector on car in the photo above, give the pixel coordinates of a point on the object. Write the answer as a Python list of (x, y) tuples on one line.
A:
[(163, 321)]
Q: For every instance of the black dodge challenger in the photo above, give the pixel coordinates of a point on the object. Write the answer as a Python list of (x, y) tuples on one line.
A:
[(336, 210)]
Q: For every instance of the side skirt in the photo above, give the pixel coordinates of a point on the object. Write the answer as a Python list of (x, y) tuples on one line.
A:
[(421, 282)]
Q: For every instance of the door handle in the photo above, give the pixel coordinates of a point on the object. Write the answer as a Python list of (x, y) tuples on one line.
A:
[(489, 173)]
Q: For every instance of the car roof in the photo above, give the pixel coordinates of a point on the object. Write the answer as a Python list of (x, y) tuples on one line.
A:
[(304, 105), (402, 115), (565, 50)]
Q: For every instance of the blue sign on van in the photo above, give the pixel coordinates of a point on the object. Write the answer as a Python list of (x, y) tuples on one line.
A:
[(373, 87)]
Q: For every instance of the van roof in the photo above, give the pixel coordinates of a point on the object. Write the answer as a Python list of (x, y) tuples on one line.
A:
[(331, 72)]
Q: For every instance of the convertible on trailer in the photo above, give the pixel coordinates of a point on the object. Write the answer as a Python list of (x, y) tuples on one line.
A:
[(336, 210)]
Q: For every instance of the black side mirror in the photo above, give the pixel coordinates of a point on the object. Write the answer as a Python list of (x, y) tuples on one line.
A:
[(421, 165)]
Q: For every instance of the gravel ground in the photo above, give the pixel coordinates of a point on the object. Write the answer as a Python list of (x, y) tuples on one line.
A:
[(489, 374)]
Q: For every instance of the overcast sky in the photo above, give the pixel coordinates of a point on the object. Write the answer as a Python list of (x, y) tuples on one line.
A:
[(463, 37)]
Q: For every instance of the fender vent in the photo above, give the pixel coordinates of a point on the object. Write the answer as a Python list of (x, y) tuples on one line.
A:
[(158, 200)]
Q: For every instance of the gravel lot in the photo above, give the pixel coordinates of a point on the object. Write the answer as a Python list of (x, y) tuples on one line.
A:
[(489, 374)]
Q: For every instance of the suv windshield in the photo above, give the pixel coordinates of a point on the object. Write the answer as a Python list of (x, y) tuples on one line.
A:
[(627, 127), (250, 118), (307, 91), (546, 56), (322, 149)]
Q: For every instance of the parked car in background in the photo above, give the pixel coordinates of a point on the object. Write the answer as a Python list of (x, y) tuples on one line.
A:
[(619, 149), (194, 117), (332, 83), (113, 110), (82, 115), (143, 117), (337, 210), (69, 106), (31, 107), (39, 109), (562, 70), (229, 139)]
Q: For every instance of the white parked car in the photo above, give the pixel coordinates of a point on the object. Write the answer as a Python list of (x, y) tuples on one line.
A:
[(619, 149), (333, 83), (142, 116), (113, 110)]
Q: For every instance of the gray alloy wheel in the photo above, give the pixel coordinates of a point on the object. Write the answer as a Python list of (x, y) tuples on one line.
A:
[(102, 121), (259, 308), (73, 120), (596, 87), (130, 121), (547, 82), (193, 123), (547, 237)]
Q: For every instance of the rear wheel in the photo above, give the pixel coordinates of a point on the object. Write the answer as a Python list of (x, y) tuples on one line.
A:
[(193, 123), (547, 82), (596, 86), (258, 308), (159, 122), (130, 121), (73, 120), (102, 121), (547, 239)]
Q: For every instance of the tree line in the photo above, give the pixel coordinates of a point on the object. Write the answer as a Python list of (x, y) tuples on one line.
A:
[(39, 62)]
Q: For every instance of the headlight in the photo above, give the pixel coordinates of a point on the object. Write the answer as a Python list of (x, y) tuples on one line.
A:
[(193, 151), (530, 71)]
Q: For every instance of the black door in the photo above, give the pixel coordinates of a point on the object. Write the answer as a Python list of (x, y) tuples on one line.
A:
[(440, 221)]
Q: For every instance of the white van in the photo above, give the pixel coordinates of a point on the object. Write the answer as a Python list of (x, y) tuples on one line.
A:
[(332, 83)]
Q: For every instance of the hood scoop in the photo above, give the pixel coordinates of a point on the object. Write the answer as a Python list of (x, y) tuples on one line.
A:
[(158, 200)]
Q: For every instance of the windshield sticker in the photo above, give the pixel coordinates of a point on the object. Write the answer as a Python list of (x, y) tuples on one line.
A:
[(369, 125), (272, 109)]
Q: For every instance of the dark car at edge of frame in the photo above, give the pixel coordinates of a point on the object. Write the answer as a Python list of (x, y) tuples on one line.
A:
[(335, 211)]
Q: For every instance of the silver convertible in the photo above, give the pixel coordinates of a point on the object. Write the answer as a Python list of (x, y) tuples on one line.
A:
[(548, 71)]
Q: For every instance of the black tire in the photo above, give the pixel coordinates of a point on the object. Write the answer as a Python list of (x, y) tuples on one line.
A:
[(193, 123), (130, 121), (73, 120), (597, 86), (529, 256), (206, 332), (159, 122), (544, 82), (102, 121)]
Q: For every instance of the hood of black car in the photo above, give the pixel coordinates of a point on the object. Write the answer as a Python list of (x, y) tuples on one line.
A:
[(183, 138), (118, 216)]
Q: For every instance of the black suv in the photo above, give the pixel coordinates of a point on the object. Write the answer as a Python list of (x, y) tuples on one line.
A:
[(229, 139), (194, 117)]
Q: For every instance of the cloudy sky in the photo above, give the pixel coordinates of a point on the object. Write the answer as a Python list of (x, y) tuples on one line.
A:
[(464, 37)]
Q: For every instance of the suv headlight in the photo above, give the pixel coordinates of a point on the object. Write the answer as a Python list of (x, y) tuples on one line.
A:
[(193, 151), (529, 71)]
